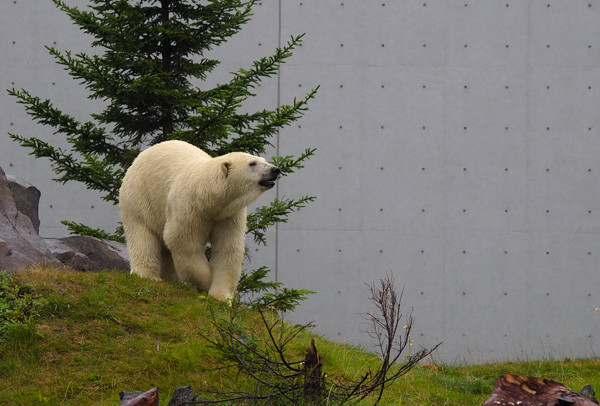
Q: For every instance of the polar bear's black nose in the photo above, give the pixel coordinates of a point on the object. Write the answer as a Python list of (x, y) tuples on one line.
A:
[(275, 170)]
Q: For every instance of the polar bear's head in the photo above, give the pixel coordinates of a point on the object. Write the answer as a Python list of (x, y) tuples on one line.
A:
[(249, 172)]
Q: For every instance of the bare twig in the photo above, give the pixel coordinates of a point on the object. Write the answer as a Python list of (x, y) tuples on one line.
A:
[(385, 331), (264, 358)]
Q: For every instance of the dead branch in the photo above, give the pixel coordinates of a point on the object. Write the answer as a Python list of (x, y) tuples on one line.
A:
[(263, 356)]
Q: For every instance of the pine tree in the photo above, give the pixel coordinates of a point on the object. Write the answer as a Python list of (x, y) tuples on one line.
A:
[(150, 65)]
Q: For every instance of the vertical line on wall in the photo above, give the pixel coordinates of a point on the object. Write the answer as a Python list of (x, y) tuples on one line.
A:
[(528, 106), (277, 141)]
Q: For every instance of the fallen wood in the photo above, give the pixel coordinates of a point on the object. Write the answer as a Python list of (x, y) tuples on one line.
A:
[(516, 390), (149, 398)]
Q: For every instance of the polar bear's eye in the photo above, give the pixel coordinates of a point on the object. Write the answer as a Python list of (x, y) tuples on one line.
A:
[(253, 163)]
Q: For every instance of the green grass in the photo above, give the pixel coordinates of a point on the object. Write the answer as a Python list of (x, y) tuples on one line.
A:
[(102, 333)]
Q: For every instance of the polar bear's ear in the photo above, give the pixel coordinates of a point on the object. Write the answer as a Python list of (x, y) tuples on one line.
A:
[(225, 167)]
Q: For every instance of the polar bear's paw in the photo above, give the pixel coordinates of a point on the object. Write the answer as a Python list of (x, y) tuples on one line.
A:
[(146, 273), (221, 296)]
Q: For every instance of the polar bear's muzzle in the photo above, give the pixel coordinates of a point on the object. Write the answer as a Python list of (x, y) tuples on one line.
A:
[(268, 179)]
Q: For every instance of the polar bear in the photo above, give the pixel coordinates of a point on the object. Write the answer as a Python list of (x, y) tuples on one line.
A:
[(175, 199)]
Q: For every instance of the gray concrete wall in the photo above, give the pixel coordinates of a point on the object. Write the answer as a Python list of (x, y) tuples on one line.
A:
[(458, 149)]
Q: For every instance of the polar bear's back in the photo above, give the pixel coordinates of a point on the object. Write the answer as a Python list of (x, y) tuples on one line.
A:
[(148, 180), (171, 155)]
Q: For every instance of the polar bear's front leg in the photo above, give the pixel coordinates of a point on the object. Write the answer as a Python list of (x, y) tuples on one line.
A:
[(187, 251), (227, 245), (192, 266)]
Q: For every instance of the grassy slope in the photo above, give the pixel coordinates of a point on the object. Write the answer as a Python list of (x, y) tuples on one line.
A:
[(102, 333)]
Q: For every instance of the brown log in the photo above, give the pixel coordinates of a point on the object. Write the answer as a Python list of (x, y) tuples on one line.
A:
[(149, 398), (516, 390)]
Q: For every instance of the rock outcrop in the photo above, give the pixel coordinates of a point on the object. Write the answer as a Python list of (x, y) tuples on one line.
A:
[(27, 199), (21, 246), (85, 253)]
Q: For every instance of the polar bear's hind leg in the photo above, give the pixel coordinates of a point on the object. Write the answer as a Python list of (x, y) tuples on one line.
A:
[(144, 249)]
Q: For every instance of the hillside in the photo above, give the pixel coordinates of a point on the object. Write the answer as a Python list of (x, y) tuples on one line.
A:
[(102, 333)]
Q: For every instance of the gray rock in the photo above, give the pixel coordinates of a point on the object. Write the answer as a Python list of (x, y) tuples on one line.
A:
[(85, 253), (589, 393), (21, 246), (184, 396), (5, 249), (27, 199)]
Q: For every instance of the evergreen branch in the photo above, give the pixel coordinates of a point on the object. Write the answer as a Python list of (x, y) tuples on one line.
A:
[(82, 229), (282, 300), (270, 122), (62, 163), (274, 295), (96, 174), (288, 164), (267, 66), (277, 212), (225, 99), (286, 114), (85, 138), (82, 66), (233, 22), (254, 283)]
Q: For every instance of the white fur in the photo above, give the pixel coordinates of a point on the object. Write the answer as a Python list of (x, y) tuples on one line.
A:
[(175, 199)]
